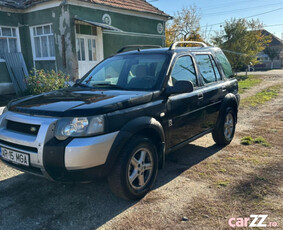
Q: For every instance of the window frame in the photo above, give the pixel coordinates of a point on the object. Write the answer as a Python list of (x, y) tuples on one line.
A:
[(18, 42), (194, 65), (212, 59), (32, 36)]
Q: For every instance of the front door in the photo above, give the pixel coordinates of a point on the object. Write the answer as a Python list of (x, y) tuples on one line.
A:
[(89, 51), (185, 112)]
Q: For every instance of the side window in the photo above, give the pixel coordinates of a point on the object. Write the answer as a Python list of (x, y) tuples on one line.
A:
[(183, 70), (216, 70), (205, 68), (227, 69)]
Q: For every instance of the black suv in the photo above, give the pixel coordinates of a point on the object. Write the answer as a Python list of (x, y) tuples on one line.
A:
[(123, 117)]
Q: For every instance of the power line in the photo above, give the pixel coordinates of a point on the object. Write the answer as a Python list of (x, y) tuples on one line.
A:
[(273, 25), (240, 10), (255, 15)]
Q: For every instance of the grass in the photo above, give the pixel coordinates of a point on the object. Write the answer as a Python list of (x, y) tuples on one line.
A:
[(262, 97), (262, 141), (247, 82), (222, 183), (248, 140)]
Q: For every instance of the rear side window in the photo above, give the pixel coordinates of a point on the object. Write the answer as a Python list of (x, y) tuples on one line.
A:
[(184, 70), (227, 69), (206, 69)]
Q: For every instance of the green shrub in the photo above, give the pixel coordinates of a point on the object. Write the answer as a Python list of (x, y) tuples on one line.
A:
[(40, 81)]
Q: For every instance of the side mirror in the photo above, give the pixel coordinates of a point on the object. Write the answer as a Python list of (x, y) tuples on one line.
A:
[(77, 81), (180, 87)]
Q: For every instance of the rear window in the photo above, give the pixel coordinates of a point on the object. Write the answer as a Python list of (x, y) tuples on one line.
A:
[(227, 69)]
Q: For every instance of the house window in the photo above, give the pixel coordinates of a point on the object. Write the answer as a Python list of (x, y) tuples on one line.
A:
[(9, 40), (43, 42)]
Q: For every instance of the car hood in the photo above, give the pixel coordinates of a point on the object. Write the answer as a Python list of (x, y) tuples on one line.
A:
[(79, 102)]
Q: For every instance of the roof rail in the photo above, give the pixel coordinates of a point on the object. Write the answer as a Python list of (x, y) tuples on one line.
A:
[(173, 46), (137, 47)]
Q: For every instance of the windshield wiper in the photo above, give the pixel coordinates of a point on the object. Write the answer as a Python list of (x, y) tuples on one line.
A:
[(82, 85), (108, 85)]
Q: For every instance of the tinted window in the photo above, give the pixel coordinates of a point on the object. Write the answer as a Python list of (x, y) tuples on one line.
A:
[(183, 70), (218, 76), (227, 69), (205, 68)]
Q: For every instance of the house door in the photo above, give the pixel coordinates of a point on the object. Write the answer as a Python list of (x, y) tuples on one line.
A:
[(89, 51)]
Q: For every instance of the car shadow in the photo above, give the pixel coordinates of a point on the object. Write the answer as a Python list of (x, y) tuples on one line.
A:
[(183, 159), (29, 202)]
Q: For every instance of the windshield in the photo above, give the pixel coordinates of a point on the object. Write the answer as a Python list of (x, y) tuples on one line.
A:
[(129, 72)]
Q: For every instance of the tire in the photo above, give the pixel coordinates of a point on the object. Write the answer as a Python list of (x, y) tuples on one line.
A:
[(224, 131), (139, 161)]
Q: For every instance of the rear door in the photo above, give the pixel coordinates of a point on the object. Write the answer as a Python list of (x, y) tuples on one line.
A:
[(213, 88), (185, 115)]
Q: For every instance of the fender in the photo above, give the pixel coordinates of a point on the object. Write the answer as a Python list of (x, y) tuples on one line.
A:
[(142, 125), (230, 100)]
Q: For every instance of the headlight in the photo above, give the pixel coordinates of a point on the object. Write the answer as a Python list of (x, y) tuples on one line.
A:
[(5, 110), (79, 127)]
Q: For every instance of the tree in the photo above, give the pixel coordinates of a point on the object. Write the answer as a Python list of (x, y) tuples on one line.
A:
[(272, 54), (241, 42), (185, 26)]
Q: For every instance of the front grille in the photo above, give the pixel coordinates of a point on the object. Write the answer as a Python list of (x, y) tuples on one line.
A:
[(23, 128), (20, 147)]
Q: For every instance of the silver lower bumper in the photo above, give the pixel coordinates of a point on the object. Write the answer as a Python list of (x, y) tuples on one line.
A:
[(88, 152)]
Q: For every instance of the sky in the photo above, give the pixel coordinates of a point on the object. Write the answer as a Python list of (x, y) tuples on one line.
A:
[(270, 13)]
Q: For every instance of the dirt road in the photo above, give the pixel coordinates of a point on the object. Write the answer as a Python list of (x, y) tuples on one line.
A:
[(205, 183)]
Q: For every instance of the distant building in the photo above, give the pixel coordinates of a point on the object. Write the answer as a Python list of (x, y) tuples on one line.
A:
[(265, 62), (74, 35)]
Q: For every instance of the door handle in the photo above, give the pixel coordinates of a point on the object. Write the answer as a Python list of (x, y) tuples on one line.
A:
[(223, 88), (200, 96)]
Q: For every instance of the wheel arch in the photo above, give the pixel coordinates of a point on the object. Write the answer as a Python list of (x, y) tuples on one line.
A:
[(230, 100), (146, 126)]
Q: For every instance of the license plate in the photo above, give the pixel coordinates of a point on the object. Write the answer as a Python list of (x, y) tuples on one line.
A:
[(14, 156)]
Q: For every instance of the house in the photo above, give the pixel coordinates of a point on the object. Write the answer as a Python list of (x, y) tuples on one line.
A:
[(74, 35), (276, 46)]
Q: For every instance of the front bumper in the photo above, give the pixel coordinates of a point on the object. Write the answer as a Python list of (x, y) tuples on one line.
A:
[(75, 159)]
